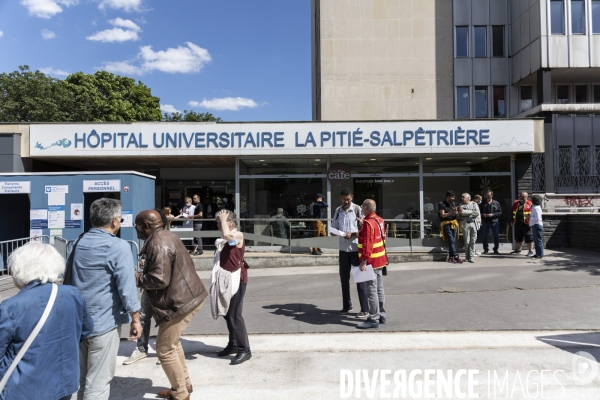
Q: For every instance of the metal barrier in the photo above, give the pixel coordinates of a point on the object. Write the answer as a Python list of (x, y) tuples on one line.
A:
[(8, 246), (297, 234)]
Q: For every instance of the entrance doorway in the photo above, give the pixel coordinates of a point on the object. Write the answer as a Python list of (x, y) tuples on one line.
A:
[(14, 214)]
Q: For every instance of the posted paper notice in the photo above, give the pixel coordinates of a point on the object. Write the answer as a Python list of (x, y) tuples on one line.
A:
[(363, 276), (336, 232)]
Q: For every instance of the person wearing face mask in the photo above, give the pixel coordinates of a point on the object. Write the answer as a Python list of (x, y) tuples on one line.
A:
[(521, 212)]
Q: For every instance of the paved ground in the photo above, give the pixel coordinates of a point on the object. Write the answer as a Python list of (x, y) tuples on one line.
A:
[(508, 315)]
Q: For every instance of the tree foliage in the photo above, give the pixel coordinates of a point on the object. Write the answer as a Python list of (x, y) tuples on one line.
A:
[(190, 116), (28, 96)]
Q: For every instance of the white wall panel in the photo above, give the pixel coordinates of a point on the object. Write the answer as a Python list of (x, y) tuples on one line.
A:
[(461, 12), (463, 74), (525, 62), (544, 49), (516, 68), (534, 23), (481, 71), (558, 55), (499, 71), (515, 41), (498, 12), (480, 12), (580, 51), (595, 50), (524, 29), (535, 55), (583, 130), (543, 17)]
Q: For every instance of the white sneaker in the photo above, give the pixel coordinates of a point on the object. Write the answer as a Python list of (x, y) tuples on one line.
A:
[(135, 356)]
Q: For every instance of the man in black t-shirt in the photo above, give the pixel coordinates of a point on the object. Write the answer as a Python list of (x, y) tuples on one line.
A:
[(447, 210)]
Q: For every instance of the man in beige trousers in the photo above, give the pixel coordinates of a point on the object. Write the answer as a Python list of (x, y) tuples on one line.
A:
[(176, 293)]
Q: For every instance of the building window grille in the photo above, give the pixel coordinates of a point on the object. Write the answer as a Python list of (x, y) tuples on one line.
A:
[(595, 16), (538, 172), (462, 102), (480, 39), (462, 41), (498, 41), (581, 94), (597, 161), (499, 101), (526, 98), (562, 94), (557, 17), (564, 161), (583, 160), (577, 17), (596, 93), (481, 102)]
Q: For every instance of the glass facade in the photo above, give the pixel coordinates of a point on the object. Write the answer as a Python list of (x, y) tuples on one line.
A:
[(480, 42), (481, 102), (403, 188), (462, 41), (462, 102), (596, 16), (557, 17), (577, 17), (498, 41)]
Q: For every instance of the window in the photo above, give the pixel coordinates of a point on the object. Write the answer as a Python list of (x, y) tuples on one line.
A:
[(596, 93), (499, 101), (564, 160), (595, 16), (577, 17), (462, 102), (583, 160), (562, 94), (480, 41), (581, 94), (481, 102), (526, 98), (498, 41), (557, 17), (462, 41)]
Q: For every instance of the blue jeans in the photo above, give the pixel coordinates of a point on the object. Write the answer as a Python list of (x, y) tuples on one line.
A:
[(451, 236), (537, 231), (485, 231)]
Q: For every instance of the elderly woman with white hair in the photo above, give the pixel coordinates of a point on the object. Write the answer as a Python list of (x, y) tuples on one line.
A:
[(49, 367)]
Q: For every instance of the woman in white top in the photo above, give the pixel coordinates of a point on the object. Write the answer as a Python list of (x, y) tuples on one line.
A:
[(537, 228)]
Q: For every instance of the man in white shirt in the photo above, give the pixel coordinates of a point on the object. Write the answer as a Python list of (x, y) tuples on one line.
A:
[(346, 219)]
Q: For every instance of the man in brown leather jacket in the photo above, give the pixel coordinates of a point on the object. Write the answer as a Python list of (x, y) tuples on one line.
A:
[(175, 292)]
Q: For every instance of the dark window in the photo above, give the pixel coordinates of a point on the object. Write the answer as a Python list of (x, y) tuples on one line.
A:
[(581, 94), (595, 16), (583, 160), (479, 33), (462, 41), (565, 157), (498, 41), (481, 103), (596, 93), (462, 102), (577, 17), (499, 101), (562, 94), (557, 17), (526, 98)]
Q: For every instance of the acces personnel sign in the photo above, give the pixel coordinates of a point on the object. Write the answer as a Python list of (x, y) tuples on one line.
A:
[(102, 186)]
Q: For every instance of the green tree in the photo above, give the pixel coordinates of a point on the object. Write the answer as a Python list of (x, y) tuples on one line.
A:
[(190, 116), (27, 96)]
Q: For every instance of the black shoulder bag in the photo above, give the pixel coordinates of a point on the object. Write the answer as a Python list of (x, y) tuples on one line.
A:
[(69, 267)]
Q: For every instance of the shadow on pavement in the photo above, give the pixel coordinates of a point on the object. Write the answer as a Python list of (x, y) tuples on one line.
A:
[(575, 342), (572, 265), (131, 388), (311, 314)]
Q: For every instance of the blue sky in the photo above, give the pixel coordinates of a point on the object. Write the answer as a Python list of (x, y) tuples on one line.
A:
[(241, 60)]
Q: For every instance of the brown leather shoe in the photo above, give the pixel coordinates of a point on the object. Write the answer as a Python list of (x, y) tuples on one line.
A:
[(166, 394)]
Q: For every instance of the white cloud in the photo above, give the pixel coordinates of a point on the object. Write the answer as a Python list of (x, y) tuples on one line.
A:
[(46, 8), (225, 103), (117, 34), (48, 34), (124, 23), (1, 33), (125, 5), (168, 108), (114, 35), (182, 60), (122, 67), (54, 71)]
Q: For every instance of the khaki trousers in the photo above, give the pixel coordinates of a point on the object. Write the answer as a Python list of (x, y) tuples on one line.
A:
[(170, 353), (319, 229)]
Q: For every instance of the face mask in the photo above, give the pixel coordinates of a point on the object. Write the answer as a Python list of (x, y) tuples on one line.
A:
[(189, 204)]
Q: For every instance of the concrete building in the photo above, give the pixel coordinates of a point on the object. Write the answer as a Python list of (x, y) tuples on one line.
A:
[(470, 59)]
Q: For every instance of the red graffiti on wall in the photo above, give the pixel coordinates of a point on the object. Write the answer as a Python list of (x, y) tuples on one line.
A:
[(579, 201)]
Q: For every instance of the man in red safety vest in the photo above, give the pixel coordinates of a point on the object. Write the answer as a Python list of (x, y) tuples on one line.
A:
[(371, 251), (521, 210)]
